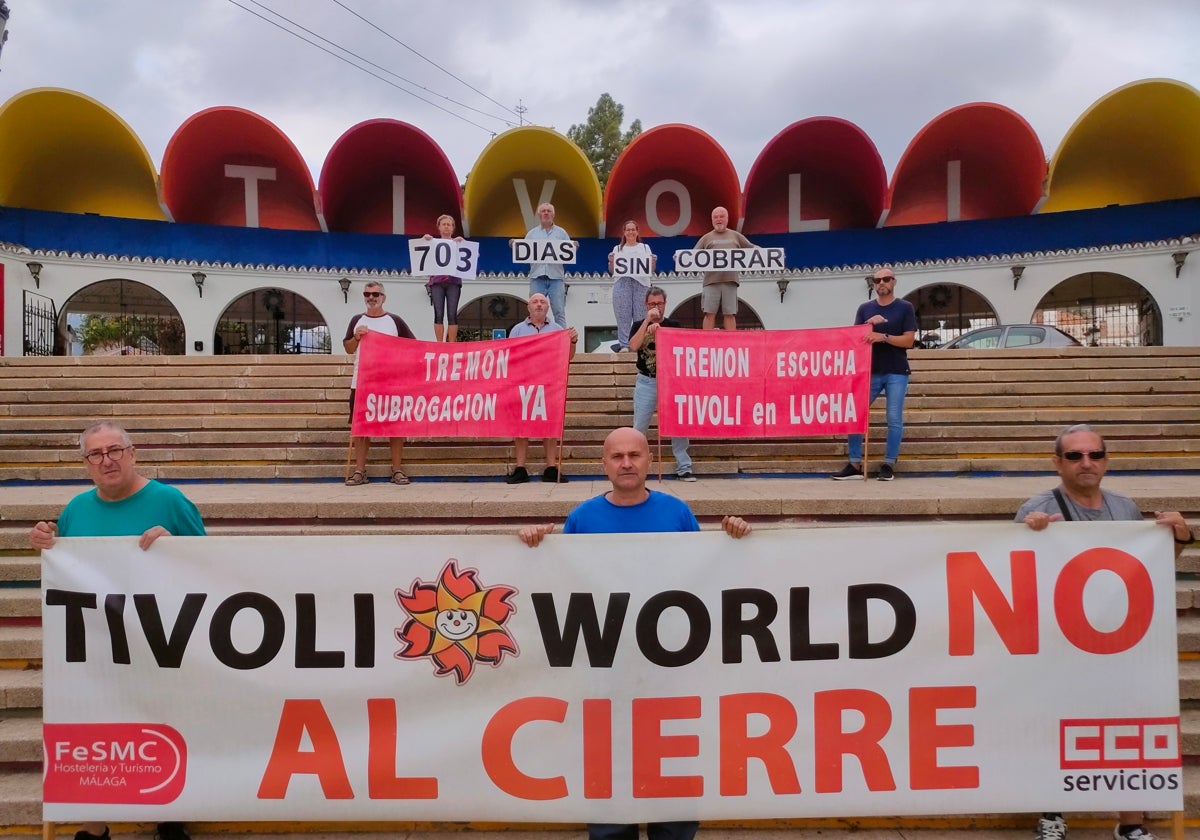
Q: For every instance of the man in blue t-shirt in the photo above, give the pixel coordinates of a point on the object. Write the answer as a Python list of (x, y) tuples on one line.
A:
[(124, 503), (630, 508), (893, 330)]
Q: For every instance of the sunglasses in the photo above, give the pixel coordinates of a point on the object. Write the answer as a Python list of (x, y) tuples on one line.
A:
[(372, 294), (1076, 455), (878, 280)]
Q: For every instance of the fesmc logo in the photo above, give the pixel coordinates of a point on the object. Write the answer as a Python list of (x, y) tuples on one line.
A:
[(456, 622)]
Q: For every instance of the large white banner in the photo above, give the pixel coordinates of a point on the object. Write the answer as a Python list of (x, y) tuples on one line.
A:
[(794, 673)]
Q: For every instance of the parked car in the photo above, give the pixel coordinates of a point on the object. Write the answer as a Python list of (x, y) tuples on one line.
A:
[(1011, 335)]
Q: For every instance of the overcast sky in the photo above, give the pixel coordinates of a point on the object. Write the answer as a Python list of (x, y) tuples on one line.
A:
[(741, 71)]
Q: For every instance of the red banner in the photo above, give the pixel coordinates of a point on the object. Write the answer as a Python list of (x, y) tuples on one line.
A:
[(516, 387), (777, 383)]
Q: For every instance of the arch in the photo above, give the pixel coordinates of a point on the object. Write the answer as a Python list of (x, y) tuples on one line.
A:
[(690, 316), (358, 187), (270, 187), (534, 155), (947, 310), (120, 317), (975, 161), (663, 164), (480, 316), (1136, 144), (1102, 309), (67, 153), (822, 173), (271, 321)]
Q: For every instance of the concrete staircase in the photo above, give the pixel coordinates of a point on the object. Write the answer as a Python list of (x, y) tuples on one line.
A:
[(285, 417), (261, 445)]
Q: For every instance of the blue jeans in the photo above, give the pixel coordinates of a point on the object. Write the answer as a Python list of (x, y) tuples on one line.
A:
[(893, 386), (645, 403), (654, 831), (556, 290)]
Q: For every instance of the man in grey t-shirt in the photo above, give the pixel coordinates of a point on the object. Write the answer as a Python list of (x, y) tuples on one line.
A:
[(1081, 459)]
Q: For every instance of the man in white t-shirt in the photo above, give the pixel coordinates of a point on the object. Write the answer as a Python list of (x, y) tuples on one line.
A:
[(375, 319)]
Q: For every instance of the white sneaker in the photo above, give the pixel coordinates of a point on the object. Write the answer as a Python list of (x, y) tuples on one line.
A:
[(1051, 829), (1136, 833)]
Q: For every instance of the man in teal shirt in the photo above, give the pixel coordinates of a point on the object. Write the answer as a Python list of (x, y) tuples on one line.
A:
[(123, 503)]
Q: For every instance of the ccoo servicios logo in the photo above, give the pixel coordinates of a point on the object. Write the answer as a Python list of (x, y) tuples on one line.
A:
[(1111, 754)]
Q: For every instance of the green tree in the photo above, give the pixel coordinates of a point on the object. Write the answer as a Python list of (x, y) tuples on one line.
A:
[(601, 138)]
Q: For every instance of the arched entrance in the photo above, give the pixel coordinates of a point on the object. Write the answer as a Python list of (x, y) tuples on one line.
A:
[(1102, 309), (947, 310), (690, 315), (490, 316), (119, 318), (270, 322)]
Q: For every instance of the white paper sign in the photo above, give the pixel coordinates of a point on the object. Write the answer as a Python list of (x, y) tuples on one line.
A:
[(429, 257)]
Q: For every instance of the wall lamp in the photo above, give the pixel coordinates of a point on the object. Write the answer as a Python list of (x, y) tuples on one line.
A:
[(345, 284), (35, 269), (198, 276), (1018, 271), (1180, 258), (782, 284)]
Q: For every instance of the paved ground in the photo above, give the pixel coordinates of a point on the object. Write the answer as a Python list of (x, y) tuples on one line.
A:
[(867, 493)]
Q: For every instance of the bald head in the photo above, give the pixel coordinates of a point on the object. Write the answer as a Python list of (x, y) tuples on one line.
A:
[(627, 463)]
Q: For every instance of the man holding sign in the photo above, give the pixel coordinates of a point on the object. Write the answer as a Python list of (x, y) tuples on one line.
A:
[(375, 319), (893, 330), (645, 387), (1081, 459), (720, 290), (548, 278), (537, 324), (631, 508)]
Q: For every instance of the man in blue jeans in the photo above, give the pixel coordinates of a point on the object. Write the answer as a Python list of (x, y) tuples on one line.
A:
[(893, 330), (645, 389), (549, 279)]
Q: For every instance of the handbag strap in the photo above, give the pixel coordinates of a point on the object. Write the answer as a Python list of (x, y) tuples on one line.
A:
[(1062, 504)]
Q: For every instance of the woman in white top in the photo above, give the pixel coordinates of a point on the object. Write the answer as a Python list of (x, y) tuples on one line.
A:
[(629, 293)]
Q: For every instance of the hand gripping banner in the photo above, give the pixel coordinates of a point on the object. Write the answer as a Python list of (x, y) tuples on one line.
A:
[(516, 387), (777, 383)]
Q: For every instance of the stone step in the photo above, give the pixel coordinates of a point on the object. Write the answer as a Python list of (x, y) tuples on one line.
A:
[(20, 688), (20, 644)]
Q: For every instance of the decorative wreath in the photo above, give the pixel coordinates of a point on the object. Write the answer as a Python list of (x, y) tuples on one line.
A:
[(272, 300), (939, 296), (498, 308)]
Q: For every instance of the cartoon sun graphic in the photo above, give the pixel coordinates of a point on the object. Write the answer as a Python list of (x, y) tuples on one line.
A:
[(456, 622)]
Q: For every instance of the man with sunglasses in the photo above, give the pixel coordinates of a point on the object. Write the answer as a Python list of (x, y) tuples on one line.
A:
[(375, 319), (893, 330), (1081, 459), (123, 503)]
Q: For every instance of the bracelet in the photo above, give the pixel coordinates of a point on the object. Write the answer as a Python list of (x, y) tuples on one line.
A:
[(1191, 538)]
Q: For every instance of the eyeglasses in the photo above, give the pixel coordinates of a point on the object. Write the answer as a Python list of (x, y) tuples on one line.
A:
[(1076, 455), (114, 453), (877, 280), (372, 294)]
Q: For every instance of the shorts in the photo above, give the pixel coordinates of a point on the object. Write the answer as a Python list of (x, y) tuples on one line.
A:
[(719, 297)]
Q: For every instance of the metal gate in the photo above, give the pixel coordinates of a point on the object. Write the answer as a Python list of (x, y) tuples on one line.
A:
[(40, 325)]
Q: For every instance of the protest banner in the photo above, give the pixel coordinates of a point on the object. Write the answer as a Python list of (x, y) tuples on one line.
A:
[(473, 678), (516, 387), (777, 383), (457, 258)]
